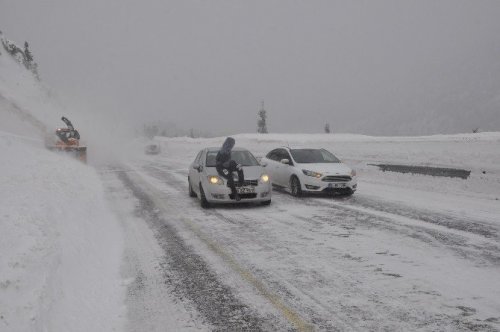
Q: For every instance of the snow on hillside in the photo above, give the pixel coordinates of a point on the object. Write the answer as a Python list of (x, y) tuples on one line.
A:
[(24, 99), (60, 246)]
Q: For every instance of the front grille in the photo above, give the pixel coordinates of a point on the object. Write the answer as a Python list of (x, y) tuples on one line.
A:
[(246, 183), (244, 196), (337, 178)]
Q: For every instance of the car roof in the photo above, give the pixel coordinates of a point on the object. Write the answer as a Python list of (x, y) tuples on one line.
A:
[(302, 148), (213, 149), (298, 148)]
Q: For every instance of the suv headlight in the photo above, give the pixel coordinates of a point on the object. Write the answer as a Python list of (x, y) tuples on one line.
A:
[(264, 178), (214, 179), (311, 173)]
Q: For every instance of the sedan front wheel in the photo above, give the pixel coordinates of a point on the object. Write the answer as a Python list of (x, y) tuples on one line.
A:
[(203, 199), (191, 191), (295, 187)]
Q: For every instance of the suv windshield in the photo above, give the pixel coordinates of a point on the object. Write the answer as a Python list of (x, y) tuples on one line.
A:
[(244, 158), (310, 156)]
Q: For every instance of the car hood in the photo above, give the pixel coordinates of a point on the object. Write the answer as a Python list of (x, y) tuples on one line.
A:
[(250, 172), (327, 168)]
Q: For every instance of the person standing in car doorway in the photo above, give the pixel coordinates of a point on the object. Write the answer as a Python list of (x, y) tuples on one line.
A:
[(226, 167)]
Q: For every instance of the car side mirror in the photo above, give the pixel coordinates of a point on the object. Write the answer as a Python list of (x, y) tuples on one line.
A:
[(197, 167), (263, 164), (285, 161)]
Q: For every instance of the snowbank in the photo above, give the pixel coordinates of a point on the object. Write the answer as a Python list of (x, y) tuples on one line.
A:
[(477, 152), (60, 246)]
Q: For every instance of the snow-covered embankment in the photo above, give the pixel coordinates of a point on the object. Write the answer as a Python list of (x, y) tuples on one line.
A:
[(60, 246)]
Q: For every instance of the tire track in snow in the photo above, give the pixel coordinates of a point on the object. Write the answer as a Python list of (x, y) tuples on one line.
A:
[(475, 227), (276, 282), (469, 242), (190, 276), (251, 221), (250, 320)]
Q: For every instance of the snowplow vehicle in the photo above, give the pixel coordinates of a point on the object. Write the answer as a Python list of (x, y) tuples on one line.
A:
[(67, 140)]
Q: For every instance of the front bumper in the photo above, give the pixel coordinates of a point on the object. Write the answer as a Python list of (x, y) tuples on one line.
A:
[(222, 194), (311, 184)]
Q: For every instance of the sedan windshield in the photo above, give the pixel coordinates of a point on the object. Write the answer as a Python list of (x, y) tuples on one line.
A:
[(244, 158), (311, 156)]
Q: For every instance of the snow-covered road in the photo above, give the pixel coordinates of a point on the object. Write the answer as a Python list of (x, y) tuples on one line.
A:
[(374, 261)]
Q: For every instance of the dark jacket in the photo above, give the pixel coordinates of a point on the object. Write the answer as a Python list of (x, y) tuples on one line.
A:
[(224, 155)]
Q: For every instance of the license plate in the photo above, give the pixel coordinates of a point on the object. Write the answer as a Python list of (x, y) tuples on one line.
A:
[(245, 190), (336, 185)]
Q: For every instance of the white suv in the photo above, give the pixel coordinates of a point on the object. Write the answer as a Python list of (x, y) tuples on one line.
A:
[(309, 170)]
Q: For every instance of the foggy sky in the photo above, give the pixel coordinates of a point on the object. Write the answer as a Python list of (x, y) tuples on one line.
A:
[(376, 67)]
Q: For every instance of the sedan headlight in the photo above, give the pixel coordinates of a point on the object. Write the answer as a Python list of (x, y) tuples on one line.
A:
[(353, 172), (264, 178), (214, 179), (311, 173)]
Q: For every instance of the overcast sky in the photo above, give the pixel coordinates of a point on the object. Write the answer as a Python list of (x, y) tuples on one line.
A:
[(363, 66)]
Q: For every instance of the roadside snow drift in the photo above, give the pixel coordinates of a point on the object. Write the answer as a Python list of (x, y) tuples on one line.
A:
[(60, 247)]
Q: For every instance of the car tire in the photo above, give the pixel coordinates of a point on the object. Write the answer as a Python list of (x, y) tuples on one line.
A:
[(295, 188), (266, 203), (347, 193), (191, 191), (203, 199)]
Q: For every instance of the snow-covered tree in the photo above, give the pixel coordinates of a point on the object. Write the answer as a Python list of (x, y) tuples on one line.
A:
[(261, 123), (327, 128), (28, 57), (24, 57)]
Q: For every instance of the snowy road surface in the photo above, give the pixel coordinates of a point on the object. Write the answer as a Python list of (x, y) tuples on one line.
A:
[(367, 262)]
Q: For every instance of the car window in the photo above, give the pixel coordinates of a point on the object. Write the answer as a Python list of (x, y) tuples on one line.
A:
[(329, 157), (244, 158), (273, 155), (197, 159), (282, 154), (286, 155), (211, 158), (308, 156), (279, 155)]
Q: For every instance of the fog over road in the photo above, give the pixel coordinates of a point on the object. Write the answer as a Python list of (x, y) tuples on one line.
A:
[(312, 263)]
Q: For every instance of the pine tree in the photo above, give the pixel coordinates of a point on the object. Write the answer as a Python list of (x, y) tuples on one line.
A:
[(261, 123), (327, 128), (28, 57)]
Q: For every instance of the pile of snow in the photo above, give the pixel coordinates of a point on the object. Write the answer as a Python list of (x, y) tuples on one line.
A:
[(476, 152), (61, 247)]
